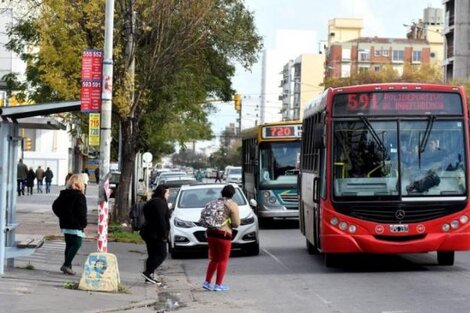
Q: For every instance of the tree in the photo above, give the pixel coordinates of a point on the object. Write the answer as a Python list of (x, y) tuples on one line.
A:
[(184, 54), (424, 73)]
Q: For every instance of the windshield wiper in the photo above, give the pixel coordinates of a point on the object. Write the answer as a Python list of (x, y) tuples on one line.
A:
[(424, 141), (376, 137)]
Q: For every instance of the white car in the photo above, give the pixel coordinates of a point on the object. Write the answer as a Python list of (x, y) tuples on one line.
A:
[(234, 175), (187, 234)]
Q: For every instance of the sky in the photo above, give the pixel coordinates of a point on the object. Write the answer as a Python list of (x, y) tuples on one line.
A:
[(382, 18)]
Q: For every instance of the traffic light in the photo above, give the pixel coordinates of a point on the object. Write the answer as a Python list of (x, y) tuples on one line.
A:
[(237, 102), (27, 144)]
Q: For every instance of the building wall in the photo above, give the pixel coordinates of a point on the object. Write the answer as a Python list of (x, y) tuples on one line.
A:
[(344, 29), (312, 74)]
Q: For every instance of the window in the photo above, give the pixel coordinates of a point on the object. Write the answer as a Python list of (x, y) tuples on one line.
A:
[(397, 55), (346, 54), (385, 52), (364, 55), (376, 68), (378, 52), (416, 56), (345, 70), (363, 69)]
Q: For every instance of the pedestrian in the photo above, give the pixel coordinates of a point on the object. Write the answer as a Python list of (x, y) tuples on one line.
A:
[(48, 175), (219, 241), (97, 175), (71, 209), (30, 180), (86, 178), (217, 176), (39, 178), (21, 175), (155, 231)]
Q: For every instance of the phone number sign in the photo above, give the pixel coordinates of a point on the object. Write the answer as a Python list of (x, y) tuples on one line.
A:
[(92, 76)]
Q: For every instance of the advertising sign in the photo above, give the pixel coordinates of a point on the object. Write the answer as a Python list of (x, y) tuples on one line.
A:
[(94, 129)]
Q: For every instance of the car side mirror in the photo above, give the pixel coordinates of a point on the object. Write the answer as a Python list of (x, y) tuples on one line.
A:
[(170, 206), (253, 203)]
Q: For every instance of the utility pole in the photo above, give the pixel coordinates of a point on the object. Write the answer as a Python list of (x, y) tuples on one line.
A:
[(109, 279), (105, 142)]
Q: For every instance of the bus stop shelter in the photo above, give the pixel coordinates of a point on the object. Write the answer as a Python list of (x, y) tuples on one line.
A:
[(11, 120)]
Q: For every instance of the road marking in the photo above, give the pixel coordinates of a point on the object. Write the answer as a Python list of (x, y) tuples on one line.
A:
[(322, 299)]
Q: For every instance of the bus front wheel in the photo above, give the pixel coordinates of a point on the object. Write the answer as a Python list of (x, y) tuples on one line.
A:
[(445, 257)]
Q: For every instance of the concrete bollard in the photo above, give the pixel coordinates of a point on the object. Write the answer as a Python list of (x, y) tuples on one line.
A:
[(100, 273)]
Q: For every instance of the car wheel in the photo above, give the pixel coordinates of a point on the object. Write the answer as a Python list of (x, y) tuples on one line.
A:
[(252, 249)]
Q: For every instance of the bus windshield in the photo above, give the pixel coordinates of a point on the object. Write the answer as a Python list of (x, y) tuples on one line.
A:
[(406, 158), (279, 163)]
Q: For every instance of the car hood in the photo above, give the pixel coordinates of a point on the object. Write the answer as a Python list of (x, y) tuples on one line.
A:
[(193, 215)]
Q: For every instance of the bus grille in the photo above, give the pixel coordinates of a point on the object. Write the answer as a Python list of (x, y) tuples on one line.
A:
[(413, 213), (290, 198)]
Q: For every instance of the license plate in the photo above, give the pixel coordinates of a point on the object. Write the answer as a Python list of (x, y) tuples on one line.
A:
[(399, 228)]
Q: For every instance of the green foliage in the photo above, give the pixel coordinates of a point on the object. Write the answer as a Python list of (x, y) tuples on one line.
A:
[(68, 284), (411, 73), (119, 233)]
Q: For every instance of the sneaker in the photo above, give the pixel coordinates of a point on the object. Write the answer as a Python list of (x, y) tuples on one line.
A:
[(207, 285), (150, 279), (221, 288), (67, 270)]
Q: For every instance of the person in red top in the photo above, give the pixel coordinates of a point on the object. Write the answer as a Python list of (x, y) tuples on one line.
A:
[(220, 242)]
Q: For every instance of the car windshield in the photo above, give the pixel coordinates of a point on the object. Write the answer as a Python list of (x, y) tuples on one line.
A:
[(199, 197), (235, 171)]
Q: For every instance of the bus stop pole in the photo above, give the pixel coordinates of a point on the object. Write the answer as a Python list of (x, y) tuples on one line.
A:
[(105, 142)]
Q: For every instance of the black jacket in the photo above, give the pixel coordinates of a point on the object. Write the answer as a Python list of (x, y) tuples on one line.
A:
[(71, 209), (157, 220)]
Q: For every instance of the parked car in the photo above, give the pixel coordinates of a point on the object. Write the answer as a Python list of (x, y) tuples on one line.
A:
[(163, 175), (187, 234), (114, 178), (174, 187)]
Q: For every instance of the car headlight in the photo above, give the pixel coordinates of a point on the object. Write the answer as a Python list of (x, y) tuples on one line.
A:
[(183, 224), (250, 219)]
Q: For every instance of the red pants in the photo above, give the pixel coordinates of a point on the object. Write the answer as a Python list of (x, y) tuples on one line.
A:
[(219, 252)]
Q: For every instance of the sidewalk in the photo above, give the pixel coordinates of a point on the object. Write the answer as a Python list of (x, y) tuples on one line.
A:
[(41, 288)]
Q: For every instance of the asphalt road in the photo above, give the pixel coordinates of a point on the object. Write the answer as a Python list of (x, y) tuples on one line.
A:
[(285, 278)]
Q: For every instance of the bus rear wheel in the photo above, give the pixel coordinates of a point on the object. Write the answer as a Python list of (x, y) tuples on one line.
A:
[(445, 257)]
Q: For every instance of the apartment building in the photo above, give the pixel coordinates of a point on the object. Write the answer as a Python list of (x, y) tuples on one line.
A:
[(456, 62), (302, 79)]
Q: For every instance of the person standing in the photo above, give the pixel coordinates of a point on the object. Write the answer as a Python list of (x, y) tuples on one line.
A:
[(86, 178), (39, 178), (217, 176), (30, 180), (21, 175), (48, 175), (71, 209), (155, 231), (219, 241), (97, 174)]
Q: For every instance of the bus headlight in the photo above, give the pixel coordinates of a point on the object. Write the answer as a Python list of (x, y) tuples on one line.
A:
[(272, 200), (266, 194), (352, 229), (454, 224), (334, 221), (445, 227), (343, 225), (464, 219)]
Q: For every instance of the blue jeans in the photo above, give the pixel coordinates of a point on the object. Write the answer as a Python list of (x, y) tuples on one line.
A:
[(48, 186), (39, 185), (20, 184)]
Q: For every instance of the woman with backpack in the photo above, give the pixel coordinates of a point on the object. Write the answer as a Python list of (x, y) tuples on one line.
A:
[(219, 241), (155, 231)]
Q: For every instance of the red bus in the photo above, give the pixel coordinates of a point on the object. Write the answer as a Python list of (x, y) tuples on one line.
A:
[(384, 169)]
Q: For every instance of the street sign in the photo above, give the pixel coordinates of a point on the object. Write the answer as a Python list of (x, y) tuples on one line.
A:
[(92, 67), (147, 157)]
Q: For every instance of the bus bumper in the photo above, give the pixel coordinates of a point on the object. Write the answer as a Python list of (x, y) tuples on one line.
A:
[(335, 240)]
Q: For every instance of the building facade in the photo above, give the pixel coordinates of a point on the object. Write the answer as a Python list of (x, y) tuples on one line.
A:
[(456, 62)]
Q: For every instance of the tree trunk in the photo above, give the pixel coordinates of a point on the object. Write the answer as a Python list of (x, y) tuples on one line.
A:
[(123, 197)]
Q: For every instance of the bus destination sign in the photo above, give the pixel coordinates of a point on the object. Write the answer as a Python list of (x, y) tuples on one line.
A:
[(397, 103), (281, 131)]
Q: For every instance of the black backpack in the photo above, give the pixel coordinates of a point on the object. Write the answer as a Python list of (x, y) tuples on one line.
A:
[(137, 216)]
